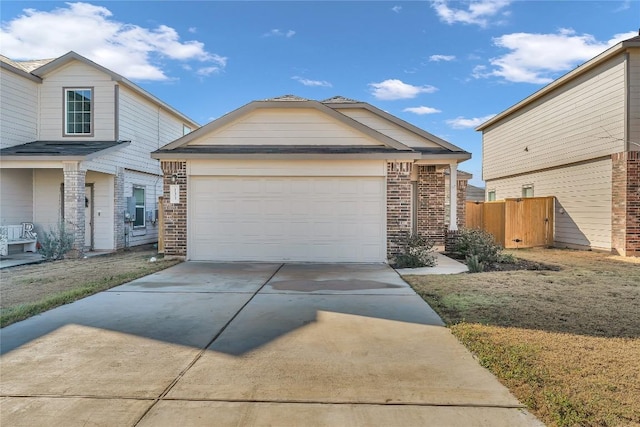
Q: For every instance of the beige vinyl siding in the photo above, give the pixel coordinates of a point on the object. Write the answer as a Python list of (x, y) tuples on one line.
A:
[(634, 99), (581, 120), (153, 189), (287, 167), (387, 127), (47, 199), (103, 193), (288, 126), (583, 200), (16, 189), (19, 118), (147, 126), (76, 75)]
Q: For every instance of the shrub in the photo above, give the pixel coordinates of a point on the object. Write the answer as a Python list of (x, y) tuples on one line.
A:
[(417, 252), (474, 265), (478, 243), (56, 242)]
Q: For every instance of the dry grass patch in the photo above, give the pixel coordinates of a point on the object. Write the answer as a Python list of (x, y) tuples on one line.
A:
[(31, 289), (566, 343)]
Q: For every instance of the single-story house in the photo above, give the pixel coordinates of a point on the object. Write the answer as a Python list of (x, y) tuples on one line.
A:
[(293, 179)]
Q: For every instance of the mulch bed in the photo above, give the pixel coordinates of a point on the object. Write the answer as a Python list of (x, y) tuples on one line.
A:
[(517, 264)]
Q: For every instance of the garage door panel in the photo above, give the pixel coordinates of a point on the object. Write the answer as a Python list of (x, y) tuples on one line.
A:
[(287, 218)]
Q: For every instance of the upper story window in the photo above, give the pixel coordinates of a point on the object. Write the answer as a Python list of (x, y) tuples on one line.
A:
[(527, 190), (78, 111), (491, 195), (185, 129)]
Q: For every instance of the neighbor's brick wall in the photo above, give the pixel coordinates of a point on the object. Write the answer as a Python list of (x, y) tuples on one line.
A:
[(119, 207), (74, 207), (175, 215), (625, 215), (431, 207), (398, 205)]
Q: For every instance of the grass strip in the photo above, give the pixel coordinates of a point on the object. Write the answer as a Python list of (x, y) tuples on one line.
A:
[(17, 313)]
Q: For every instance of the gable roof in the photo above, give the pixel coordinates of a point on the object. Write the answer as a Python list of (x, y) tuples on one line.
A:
[(38, 69), (621, 47), (389, 147)]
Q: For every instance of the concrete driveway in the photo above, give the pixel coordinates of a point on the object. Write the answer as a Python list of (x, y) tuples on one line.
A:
[(248, 344)]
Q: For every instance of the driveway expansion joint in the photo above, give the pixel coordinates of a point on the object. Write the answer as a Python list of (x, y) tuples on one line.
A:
[(204, 349)]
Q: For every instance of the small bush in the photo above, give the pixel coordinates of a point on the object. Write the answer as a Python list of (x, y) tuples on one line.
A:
[(474, 265), (417, 252), (478, 243), (56, 242)]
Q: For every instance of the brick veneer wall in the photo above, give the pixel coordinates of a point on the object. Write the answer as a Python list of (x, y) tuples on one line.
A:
[(462, 203), (175, 215), (398, 205), (119, 207), (74, 208), (625, 215), (431, 208)]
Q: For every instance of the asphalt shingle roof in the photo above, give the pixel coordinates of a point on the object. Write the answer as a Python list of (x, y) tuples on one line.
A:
[(58, 148)]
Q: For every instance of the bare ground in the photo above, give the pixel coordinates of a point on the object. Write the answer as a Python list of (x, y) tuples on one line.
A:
[(566, 342)]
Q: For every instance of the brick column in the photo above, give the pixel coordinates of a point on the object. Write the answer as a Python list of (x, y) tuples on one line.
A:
[(119, 207), (74, 206), (625, 206), (431, 207), (398, 205), (175, 214), (462, 202)]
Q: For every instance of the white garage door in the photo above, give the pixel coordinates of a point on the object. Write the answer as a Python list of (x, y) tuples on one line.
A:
[(321, 219)]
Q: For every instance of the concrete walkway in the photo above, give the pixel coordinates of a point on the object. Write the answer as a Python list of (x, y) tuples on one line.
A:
[(248, 344)]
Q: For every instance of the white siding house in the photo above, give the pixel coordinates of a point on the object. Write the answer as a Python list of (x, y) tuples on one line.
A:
[(75, 144), (576, 139)]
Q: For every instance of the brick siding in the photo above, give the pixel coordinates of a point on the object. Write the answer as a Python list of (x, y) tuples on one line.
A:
[(431, 207), (175, 215), (398, 205), (625, 215), (462, 205), (74, 207), (119, 207)]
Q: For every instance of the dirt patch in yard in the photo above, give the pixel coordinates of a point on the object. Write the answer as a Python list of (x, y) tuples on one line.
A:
[(46, 285), (565, 341)]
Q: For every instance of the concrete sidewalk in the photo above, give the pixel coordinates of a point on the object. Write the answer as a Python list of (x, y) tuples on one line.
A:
[(248, 344)]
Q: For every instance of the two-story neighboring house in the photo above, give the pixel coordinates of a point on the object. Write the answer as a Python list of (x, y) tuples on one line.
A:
[(75, 141), (577, 139)]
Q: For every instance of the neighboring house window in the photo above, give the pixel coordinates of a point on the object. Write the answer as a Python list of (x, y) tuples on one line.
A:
[(138, 194), (527, 190), (185, 129), (491, 196), (78, 117)]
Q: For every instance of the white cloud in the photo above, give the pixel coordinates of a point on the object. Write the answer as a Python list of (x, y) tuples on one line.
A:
[(477, 12), (395, 89), (626, 4), (464, 123), (438, 58), (192, 30), (279, 33), (314, 83), (133, 51), (207, 71), (536, 58), (422, 110), (396, 8)]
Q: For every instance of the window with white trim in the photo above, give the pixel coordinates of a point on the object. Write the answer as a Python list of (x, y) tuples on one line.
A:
[(138, 195), (185, 129), (78, 111), (491, 195), (527, 190)]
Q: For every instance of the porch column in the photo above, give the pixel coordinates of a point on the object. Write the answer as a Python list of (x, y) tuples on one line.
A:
[(74, 203), (119, 207), (453, 196)]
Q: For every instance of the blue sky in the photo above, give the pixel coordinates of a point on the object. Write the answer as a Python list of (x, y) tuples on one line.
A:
[(444, 66)]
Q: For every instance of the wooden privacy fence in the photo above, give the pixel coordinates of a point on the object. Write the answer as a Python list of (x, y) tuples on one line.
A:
[(515, 223)]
